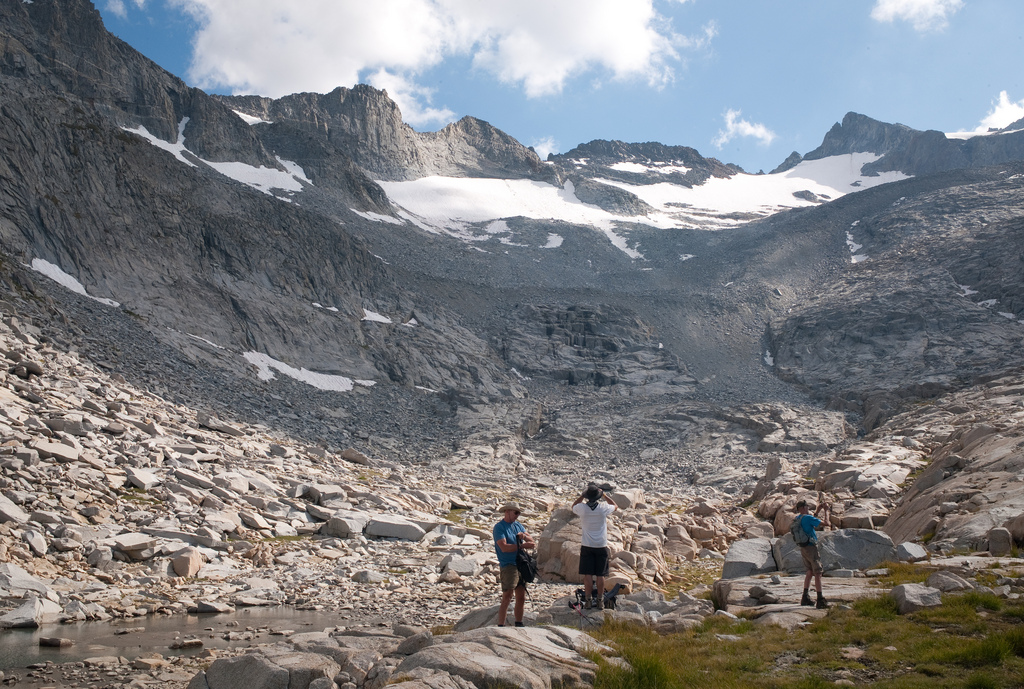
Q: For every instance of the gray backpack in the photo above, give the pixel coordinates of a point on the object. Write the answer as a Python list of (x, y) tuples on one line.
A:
[(800, 536)]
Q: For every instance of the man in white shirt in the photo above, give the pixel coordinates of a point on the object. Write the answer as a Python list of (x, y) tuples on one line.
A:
[(593, 508)]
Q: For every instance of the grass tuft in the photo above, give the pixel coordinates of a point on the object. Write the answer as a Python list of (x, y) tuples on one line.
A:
[(881, 608), (981, 681)]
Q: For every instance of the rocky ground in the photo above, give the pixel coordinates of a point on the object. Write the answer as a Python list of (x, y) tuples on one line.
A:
[(123, 503)]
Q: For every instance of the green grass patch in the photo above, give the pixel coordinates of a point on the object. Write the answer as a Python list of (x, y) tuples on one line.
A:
[(881, 608), (904, 573), (971, 640)]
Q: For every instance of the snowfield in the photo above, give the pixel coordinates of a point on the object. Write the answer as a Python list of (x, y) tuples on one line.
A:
[(454, 206)]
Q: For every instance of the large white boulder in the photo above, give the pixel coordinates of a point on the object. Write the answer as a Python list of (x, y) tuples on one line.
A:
[(509, 656), (30, 614), (911, 552), (10, 512), (855, 549), (345, 523), (914, 597), (394, 526), (187, 562), (748, 557)]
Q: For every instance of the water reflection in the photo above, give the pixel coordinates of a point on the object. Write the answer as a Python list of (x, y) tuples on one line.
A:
[(155, 633)]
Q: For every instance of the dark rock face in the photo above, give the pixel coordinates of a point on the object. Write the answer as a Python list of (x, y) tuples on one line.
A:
[(599, 155), (187, 250), (911, 151), (789, 163), (611, 198), (593, 346), (930, 152), (861, 134), (936, 303)]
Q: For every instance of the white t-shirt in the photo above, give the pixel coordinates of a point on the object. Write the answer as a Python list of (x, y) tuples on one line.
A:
[(594, 523)]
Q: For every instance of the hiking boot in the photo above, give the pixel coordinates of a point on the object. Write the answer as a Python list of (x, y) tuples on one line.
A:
[(587, 604), (520, 624), (822, 604), (600, 603), (806, 600)]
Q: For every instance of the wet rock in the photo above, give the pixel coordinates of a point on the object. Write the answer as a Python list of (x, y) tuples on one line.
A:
[(32, 613)]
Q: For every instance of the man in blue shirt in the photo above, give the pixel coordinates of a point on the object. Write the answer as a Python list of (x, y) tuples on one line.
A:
[(809, 552), (509, 536)]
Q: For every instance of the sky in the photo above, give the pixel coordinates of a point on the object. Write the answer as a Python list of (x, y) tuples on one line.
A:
[(744, 81)]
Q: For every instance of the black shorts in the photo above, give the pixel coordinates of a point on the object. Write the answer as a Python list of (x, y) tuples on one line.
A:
[(594, 561)]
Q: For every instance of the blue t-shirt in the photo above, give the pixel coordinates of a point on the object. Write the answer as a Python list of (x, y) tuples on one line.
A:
[(809, 523), (508, 531)]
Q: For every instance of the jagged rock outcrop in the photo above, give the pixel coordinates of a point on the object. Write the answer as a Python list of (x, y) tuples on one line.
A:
[(861, 134), (366, 124), (969, 487), (655, 162), (930, 152), (913, 152)]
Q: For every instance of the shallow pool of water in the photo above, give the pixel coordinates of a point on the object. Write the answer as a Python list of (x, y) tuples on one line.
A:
[(20, 647)]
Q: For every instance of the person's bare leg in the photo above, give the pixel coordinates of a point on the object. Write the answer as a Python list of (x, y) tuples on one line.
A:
[(588, 584), (506, 597), (520, 603), (600, 593)]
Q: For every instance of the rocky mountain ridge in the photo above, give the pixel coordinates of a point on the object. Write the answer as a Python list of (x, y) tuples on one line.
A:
[(864, 349), (365, 124), (913, 152)]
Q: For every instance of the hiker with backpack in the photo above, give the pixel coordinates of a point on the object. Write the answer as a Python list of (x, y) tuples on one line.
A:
[(593, 508), (509, 537), (804, 535)]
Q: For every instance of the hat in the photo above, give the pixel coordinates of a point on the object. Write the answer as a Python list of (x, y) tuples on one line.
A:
[(593, 492), (512, 505)]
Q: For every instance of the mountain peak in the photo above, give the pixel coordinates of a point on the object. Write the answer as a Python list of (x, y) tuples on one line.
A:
[(861, 134)]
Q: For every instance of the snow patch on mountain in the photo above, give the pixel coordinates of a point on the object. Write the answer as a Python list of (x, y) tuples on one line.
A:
[(375, 317), (266, 366), (261, 178), (661, 168), (54, 272), (707, 206), (249, 119)]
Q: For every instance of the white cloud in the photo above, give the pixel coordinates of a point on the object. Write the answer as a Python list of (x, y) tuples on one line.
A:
[(116, 7), (1004, 112), (735, 127), (276, 47), (540, 45), (412, 99), (545, 146), (924, 15)]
